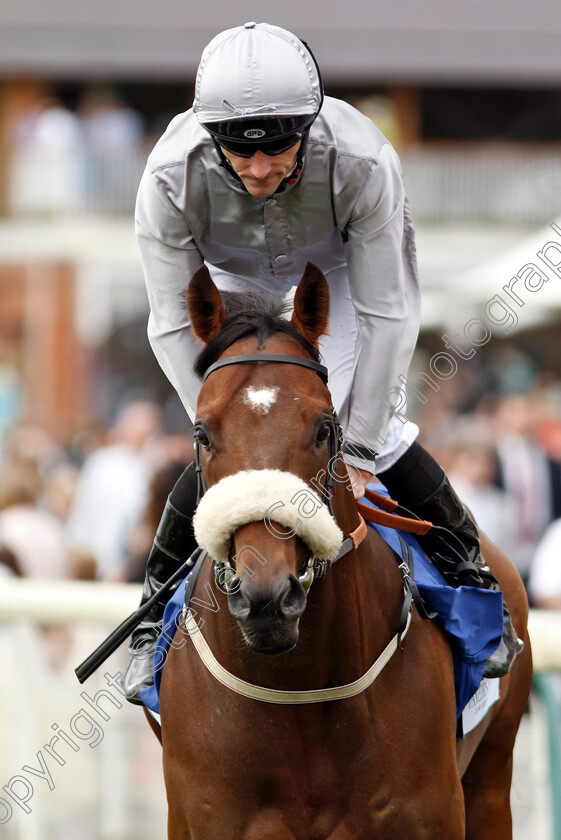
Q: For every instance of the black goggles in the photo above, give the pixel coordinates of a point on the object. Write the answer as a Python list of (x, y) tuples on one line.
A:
[(269, 147), (271, 135)]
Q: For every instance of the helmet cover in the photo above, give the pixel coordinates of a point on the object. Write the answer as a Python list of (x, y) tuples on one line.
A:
[(254, 71)]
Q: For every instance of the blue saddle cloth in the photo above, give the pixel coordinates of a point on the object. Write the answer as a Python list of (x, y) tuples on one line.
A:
[(472, 618)]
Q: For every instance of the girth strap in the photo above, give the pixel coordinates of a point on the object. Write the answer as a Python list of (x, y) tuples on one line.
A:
[(405, 566)]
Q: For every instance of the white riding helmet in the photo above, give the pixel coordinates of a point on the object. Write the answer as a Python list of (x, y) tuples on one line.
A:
[(257, 86)]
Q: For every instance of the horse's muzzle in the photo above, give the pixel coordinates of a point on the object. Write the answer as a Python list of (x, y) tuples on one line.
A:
[(268, 618)]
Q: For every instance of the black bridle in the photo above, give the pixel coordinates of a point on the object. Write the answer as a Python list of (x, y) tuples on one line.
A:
[(316, 568), (321, 370), (335, 433)]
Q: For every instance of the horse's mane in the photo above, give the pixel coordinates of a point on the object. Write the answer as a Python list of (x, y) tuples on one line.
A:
[(248, 313)]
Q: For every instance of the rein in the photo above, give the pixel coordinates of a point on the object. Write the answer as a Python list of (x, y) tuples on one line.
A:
[(315, 569)]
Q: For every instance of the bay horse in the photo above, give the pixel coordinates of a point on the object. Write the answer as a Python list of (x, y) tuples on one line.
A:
[(384, 761)]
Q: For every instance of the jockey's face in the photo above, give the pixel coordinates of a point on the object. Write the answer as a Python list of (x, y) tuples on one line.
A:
[(261, 174)]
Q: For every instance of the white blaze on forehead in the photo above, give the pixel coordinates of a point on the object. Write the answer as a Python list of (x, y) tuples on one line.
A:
[(261, 399)]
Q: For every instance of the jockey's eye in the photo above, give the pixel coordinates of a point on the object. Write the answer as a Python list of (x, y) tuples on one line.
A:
[(201, 437), (323, 432)]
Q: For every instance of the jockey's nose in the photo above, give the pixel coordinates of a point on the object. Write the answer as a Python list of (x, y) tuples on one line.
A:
[(260, 164)]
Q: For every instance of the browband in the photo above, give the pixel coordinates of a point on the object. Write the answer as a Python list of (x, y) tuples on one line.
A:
[(321, 370)]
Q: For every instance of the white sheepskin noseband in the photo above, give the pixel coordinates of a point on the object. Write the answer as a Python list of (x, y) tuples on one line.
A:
[(270, 496)]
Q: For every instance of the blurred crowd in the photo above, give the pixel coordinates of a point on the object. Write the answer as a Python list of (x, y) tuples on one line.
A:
[(496, 430), (65, 160), (87, 510)]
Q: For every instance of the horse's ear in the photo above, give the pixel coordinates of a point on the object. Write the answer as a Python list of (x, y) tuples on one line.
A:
[(204, 305), (311, 304)]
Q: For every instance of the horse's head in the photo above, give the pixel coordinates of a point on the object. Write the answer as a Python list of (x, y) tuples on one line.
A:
[(267, 442)]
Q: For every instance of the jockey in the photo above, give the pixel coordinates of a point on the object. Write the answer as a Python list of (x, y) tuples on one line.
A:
[(261, 175)]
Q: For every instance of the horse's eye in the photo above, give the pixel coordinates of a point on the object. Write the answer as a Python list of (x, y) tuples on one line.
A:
[(323, 432), (201, 437)]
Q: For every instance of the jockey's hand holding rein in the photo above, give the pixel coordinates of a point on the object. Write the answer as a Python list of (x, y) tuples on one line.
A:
[(359, 479)]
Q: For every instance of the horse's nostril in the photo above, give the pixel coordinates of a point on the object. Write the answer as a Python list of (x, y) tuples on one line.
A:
[(293, 601), (239, 603)]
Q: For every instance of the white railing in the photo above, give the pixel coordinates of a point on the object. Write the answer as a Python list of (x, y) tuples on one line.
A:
[(545, 635), (503, 183), (506, 183), (53, 184), (101, 779), (69, 602), (102, 790)]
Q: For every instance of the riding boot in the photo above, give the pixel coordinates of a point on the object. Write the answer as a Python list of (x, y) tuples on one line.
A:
[(173, 544), (445, 509)]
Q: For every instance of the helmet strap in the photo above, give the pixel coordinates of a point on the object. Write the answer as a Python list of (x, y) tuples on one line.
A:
[(225, 162)]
